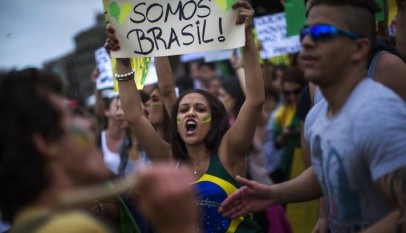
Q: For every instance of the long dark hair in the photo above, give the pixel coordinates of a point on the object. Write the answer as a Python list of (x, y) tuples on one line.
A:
[(219, 125)]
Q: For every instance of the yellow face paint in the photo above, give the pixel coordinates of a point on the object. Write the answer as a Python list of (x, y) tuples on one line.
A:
[(206, 119), (178, 121), (81, 137)]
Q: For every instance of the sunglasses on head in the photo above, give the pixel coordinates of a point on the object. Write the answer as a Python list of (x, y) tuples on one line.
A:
[(320, 32)]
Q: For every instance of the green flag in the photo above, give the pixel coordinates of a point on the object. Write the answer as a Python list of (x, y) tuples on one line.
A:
[(380, 16), (295, 16)]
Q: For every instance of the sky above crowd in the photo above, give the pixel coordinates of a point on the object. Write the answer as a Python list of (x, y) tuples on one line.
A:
[(34, 32)]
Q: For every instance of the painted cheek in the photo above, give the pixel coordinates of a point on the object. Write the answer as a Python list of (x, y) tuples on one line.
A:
[(178, 121), (81, 137), (206, 119)]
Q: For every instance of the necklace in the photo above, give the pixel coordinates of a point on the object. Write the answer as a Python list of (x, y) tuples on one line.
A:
[(195, 170)]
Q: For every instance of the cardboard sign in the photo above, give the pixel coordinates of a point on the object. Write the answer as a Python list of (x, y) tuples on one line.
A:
[(271, 31), (103, 63), (150, 28)]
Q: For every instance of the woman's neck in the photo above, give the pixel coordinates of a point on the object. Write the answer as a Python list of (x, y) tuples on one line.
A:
[(199, 159), (197, 152), (115, 133)]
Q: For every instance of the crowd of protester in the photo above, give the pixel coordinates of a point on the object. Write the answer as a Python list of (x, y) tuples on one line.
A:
[(244, 145)]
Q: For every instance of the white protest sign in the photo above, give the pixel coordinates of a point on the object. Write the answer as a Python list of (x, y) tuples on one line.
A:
[(151, 28), (271, 31), (191, 56), (218, 55), (221, 55), (103, 63)]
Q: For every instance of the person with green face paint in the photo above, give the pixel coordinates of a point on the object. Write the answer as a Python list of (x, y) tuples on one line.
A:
[(45, 151), (201, 137)]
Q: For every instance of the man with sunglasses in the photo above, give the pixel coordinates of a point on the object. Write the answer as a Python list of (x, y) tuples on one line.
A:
[(386, 65), (356, 134)]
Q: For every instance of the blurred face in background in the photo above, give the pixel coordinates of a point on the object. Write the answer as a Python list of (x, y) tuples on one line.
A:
[(227, 100), (155, 109), (120, 115), (206, 73), (194, 70), (214, 87), (291, 92), (79, 155), (277, 79), (110, 113)]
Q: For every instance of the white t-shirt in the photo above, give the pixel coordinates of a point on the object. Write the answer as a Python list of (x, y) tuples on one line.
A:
[(111, 159), (363, 142)]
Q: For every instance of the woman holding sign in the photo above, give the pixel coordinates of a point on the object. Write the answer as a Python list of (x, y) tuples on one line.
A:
[(201, 138)]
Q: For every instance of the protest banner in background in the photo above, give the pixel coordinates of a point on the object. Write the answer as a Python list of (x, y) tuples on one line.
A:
[(105, 79), (150, 28), (218, 55), (188, 57), (271, 32)]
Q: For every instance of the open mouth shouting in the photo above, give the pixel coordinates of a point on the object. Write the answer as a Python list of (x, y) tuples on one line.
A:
[(191, 126)]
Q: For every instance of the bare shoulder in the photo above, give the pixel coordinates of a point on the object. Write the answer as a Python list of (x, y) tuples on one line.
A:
[(390, 59), (391, 72)]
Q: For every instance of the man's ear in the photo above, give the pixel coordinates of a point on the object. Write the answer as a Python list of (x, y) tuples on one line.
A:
[(45, 147), (362, 47)]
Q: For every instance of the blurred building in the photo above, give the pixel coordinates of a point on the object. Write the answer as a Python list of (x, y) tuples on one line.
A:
[(75, 68)]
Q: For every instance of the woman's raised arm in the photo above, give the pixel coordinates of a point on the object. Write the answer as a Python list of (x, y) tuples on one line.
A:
[(239, 137), (153, 144)]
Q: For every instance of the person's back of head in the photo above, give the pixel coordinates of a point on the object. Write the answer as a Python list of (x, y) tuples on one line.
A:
[(27, 111)]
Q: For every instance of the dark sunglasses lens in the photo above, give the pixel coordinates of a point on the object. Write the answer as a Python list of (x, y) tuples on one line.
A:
[(303, 33), (321, 32)]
